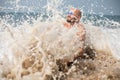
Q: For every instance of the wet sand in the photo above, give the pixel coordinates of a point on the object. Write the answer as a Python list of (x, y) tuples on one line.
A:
[(94, 66)]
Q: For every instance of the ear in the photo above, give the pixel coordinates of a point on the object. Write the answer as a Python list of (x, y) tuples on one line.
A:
[(79, 17)]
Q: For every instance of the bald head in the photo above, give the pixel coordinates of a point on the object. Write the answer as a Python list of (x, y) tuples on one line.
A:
[(77, 12), (74, 16)]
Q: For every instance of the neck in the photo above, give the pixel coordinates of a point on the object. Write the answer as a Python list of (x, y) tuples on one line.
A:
[(69, 25), (72, 24)]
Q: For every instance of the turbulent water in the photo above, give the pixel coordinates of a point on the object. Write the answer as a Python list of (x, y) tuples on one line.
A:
[(36, 46)]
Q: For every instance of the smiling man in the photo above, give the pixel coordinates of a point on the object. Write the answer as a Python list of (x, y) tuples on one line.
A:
[(72, 20)]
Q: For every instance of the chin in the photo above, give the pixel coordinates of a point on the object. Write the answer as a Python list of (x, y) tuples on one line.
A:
[(68, 20)]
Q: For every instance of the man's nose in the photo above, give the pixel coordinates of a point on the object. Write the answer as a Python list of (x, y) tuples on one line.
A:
[(69, 16)]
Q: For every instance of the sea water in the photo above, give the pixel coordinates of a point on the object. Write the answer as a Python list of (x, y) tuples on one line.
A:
[(35, 46)]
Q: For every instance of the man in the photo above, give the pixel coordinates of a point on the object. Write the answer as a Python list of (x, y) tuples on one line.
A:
[(73, 19)]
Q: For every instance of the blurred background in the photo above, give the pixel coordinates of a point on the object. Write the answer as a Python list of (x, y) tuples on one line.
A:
[(108, 7)]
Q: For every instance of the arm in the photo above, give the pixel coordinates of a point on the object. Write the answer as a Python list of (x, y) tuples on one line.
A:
[(81, 32), (81, 35)]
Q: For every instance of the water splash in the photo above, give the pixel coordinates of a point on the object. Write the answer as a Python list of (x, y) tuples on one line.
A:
[(34, 50)]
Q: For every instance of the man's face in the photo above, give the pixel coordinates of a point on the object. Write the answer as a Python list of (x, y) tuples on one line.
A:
[(71, 17)]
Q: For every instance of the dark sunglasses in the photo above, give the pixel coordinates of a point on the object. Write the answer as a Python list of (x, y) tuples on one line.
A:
[(70, 13)]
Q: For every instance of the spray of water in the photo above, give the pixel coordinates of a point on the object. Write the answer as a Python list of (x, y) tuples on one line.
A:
[(38, 50)]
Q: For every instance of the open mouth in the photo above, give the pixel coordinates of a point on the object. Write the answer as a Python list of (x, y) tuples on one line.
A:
[(71, 20)]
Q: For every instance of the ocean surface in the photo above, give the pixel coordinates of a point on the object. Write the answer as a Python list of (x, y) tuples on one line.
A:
[(36, 46), (19, 17)]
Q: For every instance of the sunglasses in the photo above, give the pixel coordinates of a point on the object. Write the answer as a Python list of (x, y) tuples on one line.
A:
[(70, 13)]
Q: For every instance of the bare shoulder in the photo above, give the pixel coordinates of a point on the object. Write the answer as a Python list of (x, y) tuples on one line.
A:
[(81, 26), (81, 32)]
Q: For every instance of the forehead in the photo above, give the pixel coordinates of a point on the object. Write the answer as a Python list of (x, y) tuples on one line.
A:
[(73, 9)]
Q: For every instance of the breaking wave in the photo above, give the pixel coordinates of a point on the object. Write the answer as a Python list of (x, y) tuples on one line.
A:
[(37, 48)]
